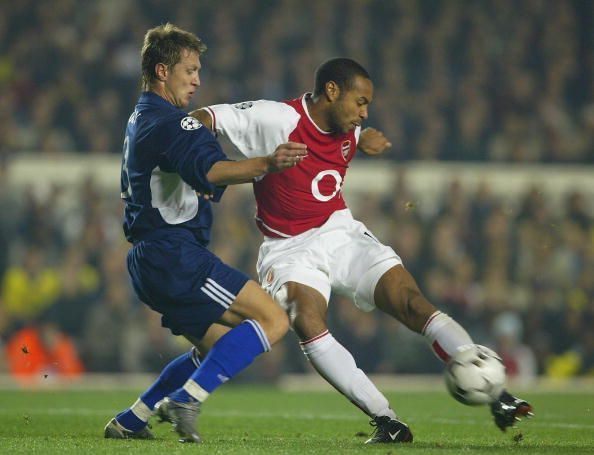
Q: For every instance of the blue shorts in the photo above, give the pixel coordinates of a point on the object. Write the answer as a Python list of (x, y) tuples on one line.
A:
[(181, 279)]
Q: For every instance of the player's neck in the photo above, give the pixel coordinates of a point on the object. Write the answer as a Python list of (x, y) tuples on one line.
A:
[(160, 89), (316, 110)]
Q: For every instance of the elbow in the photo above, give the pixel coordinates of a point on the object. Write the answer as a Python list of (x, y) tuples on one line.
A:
[(215, 178), (216, 174)]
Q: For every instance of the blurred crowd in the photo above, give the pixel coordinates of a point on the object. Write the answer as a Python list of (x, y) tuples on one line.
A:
[(492, 80), (517, 275)]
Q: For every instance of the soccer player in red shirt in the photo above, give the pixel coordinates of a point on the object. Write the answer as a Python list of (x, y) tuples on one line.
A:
[(312, 244)]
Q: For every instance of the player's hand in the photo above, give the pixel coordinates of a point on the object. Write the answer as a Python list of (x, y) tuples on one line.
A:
[(286, 156), (206, 196), (373, 142)]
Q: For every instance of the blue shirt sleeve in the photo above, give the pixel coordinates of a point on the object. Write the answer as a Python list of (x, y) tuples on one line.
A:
[(191, 151)]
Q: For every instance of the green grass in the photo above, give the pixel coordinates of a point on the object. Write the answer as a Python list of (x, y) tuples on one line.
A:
[(267, 421)]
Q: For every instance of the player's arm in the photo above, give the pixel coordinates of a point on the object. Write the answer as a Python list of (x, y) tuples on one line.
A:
[(203, 116), (234, 172), (373, 142), (255, 128)]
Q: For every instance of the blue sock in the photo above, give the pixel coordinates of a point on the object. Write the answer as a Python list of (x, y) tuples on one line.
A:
[(231, 354), (173, 376)]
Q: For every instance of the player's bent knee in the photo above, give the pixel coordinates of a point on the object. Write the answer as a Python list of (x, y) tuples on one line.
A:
[(274, 321), (307, 313), (254, 303)]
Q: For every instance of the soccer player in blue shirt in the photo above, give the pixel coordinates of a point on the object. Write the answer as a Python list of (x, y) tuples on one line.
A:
[(169, 157)]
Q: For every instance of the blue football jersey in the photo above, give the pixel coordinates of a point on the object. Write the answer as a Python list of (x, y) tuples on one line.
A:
[(166, 157)]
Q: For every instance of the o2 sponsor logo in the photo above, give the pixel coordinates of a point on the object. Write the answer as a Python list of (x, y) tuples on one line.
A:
[(315, 189)]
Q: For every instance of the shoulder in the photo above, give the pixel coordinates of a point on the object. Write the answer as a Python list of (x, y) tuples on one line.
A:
[(277, 113), (265, 111), (179, 124)]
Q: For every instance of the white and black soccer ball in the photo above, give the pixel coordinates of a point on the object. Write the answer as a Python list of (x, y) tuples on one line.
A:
[(475, 375)]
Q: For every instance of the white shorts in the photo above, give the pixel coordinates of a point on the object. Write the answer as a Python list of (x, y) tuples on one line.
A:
[(341, 256)]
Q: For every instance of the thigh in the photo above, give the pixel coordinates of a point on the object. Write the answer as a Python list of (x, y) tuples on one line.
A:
[(295, 272), (358, 261), (301, 260), (306, 307), (252, 302)]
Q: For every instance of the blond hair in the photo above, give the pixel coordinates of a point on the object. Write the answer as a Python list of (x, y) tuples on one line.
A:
[(164, 44)]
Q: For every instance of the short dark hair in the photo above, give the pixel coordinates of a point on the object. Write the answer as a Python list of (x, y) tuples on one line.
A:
[(340, 70), (164, 44)]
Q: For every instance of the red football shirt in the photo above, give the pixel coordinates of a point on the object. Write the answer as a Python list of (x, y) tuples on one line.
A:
[(304, 196)]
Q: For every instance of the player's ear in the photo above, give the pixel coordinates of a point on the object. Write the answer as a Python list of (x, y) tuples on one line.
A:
[(332, 91), (161, 71)]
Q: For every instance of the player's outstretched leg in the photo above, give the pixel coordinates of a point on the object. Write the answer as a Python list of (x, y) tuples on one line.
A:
[(336, 364), (397, 294), (508, 410), (448, 337), (388, 430), (132, 422), (307, 310)]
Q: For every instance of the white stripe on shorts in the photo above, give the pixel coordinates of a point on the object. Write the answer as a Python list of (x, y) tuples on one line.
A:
[(224, 303), (218, 293), (221, 288)]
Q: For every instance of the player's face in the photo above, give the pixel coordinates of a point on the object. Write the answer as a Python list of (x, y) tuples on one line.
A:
[(350, 109), (183, 79)]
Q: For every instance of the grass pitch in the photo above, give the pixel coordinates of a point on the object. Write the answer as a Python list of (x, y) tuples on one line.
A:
[(249, 420)]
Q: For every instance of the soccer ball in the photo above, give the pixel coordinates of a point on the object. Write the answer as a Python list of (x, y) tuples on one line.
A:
[(475, 375)]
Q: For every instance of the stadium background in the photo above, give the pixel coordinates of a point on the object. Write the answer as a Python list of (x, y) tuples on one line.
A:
[(487, 193)]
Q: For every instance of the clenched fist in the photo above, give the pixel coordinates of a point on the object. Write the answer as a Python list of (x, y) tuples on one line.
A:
[(373, 142)]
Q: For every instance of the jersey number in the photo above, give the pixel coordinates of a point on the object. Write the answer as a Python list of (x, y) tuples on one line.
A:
[(126, 189)]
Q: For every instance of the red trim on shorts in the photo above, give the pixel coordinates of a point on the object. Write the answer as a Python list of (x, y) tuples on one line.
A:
[(433, 316), (317, 337), (440, 352)]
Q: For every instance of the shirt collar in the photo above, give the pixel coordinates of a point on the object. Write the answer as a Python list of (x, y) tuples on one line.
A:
[(304, 99), (153, 98)]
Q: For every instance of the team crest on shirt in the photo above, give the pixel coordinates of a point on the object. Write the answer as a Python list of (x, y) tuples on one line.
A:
[(345, 148), (190, 123)]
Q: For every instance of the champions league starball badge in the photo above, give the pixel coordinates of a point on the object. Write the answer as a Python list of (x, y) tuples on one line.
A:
[(190, 123)]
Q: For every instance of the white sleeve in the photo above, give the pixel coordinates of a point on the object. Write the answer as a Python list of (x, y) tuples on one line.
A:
[(256, 128)]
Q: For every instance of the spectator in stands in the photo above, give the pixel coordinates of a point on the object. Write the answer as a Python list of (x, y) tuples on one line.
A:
[(492, 80)]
